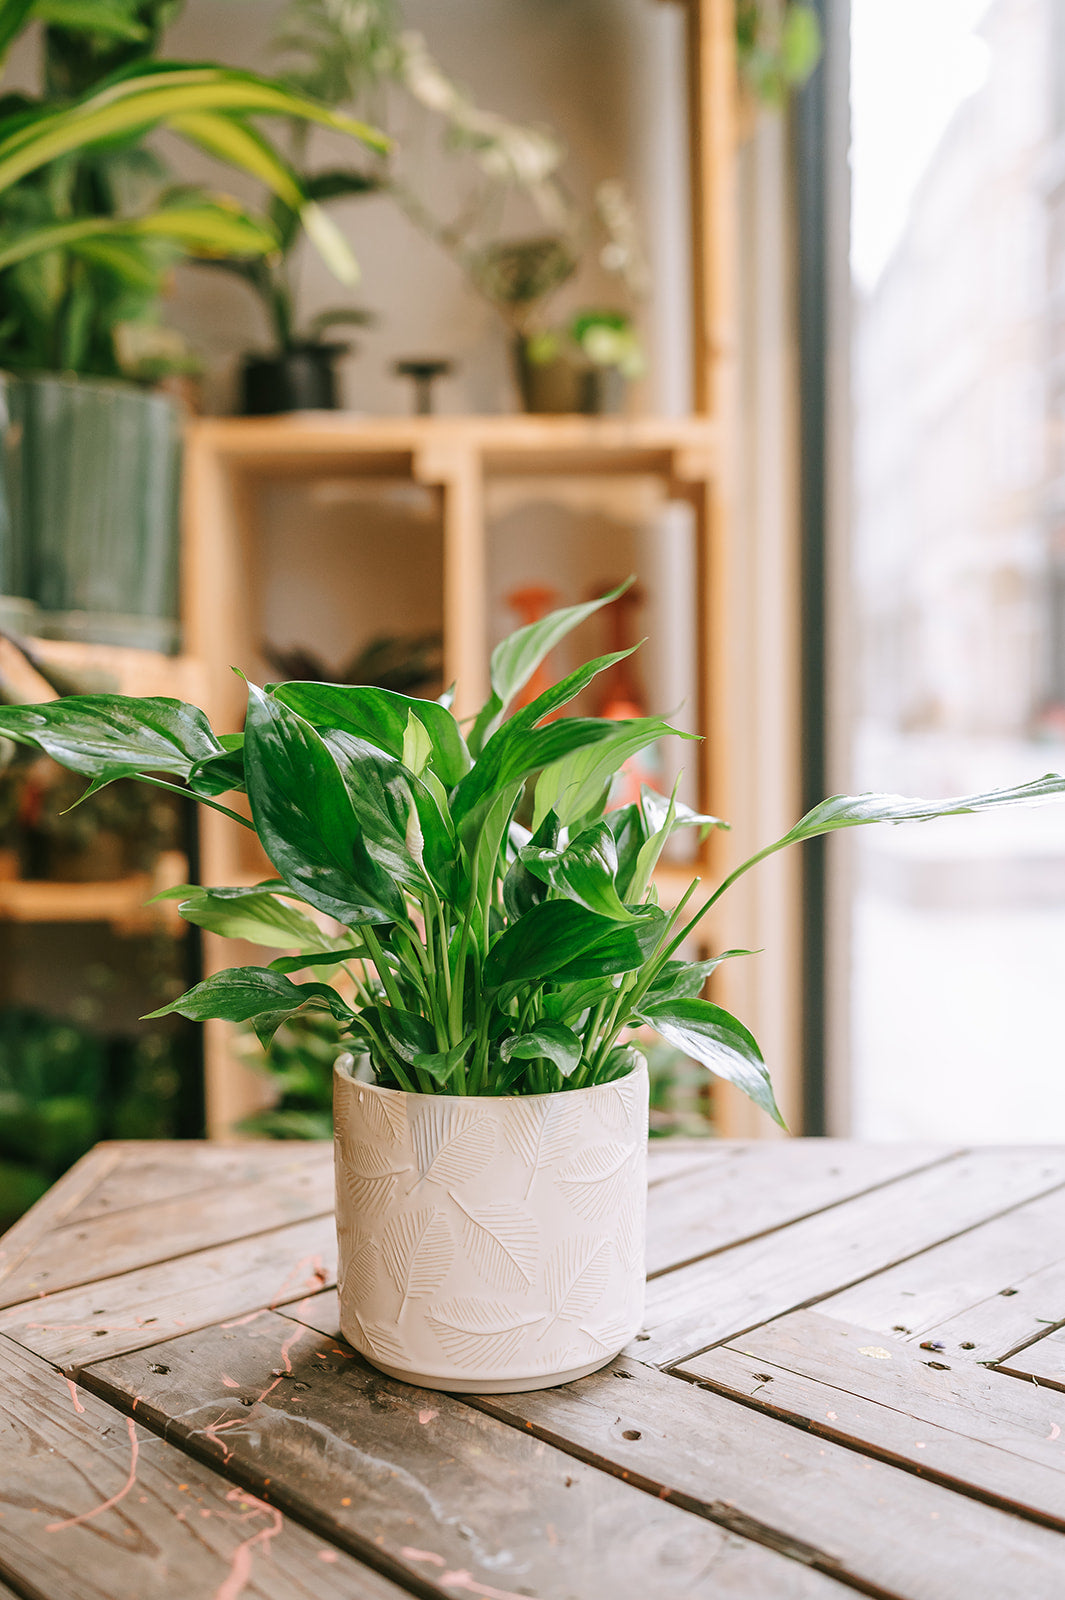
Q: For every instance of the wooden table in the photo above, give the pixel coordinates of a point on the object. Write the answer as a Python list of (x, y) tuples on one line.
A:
[(850, 1380)]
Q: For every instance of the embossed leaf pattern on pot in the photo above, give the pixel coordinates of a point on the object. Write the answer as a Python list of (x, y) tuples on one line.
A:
[(452, 1143), (385, 1343), (370, 1177), (360, 1273), (542, 1132), (608, 1336), (418, 1250), (629, 1229), (476, 1331), (501, 1242), (385, 1115), (595, 1180), (614, 1106), (575, 1278)]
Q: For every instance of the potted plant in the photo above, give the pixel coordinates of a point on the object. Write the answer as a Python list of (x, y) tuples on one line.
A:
[(490, 980), (583, 366), (90, 226)]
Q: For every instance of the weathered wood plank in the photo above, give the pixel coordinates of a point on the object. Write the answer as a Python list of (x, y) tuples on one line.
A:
[(112, 1243), (153, 1303), (319, 1311), (754, 1187), (149, 1170), (882, 1529), (95, 1507), (1044, 1360), (964, 1426), (668, 1157), (712, 1300), (421, 1478), (979, 1295)]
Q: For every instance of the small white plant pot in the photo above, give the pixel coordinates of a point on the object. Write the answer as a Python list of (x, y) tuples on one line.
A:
[(490, 1245)]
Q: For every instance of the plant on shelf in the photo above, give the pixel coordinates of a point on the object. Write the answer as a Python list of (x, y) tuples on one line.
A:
[(516, 233), (90, 227), (489, 977)]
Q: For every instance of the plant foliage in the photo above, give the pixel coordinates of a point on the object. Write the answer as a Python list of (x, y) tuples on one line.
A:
[(90, 224), (464, 953)]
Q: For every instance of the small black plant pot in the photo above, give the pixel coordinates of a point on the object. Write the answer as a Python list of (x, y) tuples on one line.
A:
[(302, 379)]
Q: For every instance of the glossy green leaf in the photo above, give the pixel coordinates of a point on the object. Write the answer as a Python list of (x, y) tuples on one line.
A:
[(584, 871), (401, 825), (620, 1061), (324, 958), (684, 980), (571, 1000), (257, 995), (95, 16), (108, 736), (407, 1033), (257, 914), (442, 1065), (550, 1041), (655, 808), (222, 773), (574, 784), (715, 1038), (517, 658), (520, 748), (563, 940), (521, 889), (305, 819), (380, 717)]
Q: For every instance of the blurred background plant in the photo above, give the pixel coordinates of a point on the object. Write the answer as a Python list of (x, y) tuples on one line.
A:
[(777, 47), (64, 1087), (90, 223)]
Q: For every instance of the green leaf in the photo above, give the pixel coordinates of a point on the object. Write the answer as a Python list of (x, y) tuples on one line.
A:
[(305, 819), (380, 717), (570, 1002), (715, 1038), (108, 736), (520, 748), (517, 658), (408, 1034), (655, 808), (521, 889), (223, 773), (684, 980), (573, 785), (442, 1065), (256, 914), (857, 810), (254, 994), (557, 1044), (159, 93), (324, 958), (562, 940), (90, 16), (402, 828), (584, 871), (620, 1061)]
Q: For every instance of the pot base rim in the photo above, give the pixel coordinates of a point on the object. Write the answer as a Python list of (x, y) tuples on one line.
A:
[(440, 1385)]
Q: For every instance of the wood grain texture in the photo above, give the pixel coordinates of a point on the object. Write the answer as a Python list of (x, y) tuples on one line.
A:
[(980, 1295), (1043, 1361), (879, 1528), (150, 1170), (429, 1483), (963, 1425), (746, 1189), (142, 1307), (136, 1236), (700, 1305), (173, 1527)]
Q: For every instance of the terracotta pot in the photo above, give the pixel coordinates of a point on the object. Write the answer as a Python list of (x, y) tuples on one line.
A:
[(490, 1245)]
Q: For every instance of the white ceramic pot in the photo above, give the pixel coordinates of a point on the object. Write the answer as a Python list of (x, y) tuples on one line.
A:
[(489, 1245)]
